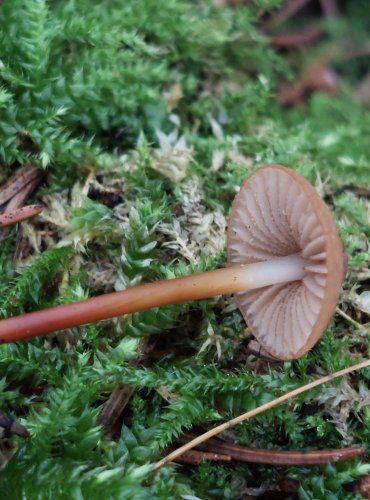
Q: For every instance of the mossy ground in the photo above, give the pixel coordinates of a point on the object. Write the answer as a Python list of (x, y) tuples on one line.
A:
[(145, 119)]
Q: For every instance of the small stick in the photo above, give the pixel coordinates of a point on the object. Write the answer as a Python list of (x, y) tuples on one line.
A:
[(17, 182), (121, 394), (23, 213), (195, 457), (17, 189), (114, 407), (277, 457), (261, 409), (21, 196)]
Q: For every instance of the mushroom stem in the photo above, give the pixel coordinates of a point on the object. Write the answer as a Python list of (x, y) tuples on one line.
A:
[(197, 286)]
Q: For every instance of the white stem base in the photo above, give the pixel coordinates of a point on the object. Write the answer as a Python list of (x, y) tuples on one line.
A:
[(271, 272)]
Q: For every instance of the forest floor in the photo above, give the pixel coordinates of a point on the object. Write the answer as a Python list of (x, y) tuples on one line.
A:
[(134, 125)]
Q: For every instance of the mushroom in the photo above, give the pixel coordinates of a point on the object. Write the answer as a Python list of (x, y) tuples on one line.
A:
[(286, 266), (278, 213)]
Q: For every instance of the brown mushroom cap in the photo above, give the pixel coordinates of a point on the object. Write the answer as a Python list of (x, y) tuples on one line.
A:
[(278, 213)]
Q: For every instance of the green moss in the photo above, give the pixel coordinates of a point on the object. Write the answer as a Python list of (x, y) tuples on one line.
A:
[(104, 90)]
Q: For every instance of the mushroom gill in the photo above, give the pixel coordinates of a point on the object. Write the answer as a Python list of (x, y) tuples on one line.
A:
[(278, 213)]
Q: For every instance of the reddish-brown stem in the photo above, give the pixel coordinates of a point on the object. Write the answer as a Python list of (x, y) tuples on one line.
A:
[(14, 216), (160, 293), (197, 286)]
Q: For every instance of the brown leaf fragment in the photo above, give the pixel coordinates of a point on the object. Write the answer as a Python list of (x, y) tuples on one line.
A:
[(20, 196), (173, 96), (18, 181), (20, 214), (362, 486), (17, 189), (7, 423), (315, 78), (121, 394), (114, 407)]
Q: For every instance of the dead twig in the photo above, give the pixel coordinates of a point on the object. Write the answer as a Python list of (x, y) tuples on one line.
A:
[(121, 394), (18, 182), (275, 457), (195, 457), (20, 196), (114, 408), (250, 414), (21, 214), (17, 189)]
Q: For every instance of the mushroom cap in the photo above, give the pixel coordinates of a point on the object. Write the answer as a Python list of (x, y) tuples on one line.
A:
[(278, 213)]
